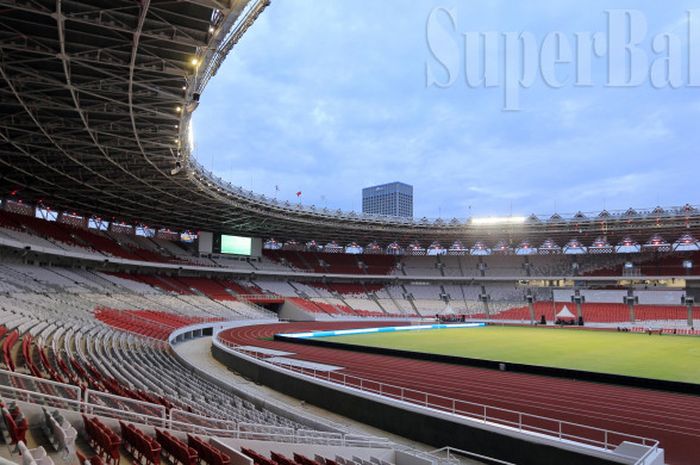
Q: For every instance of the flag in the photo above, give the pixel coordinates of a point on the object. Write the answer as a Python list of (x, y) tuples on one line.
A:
[(298, 193)]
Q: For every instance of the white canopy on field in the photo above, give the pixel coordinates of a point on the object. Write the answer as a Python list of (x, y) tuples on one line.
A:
[(565, 313)]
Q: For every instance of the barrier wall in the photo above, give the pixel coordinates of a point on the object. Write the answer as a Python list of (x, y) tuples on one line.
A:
[(426, 426)]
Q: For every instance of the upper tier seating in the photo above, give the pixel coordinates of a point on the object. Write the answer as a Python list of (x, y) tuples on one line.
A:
[(67, 235), (282, 288), (421, 266), (349, 288), (337, 263)]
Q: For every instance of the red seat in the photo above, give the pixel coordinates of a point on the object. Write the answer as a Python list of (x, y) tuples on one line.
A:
[(258, 459), (105, 441), (16, 428), (140, 446), (207, 453), (176, 449)]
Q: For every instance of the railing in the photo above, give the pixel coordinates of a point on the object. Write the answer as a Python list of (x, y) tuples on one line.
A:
[(102, 403), (202, 421), (31, 387), (68, 397), (258, 297), (453, 456), (551, 428)]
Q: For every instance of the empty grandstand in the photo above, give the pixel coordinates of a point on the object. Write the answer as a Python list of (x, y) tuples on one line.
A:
[(130, 334)]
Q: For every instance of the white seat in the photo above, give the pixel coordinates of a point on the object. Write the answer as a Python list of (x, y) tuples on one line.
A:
[(44, 461), (35, 456), (65, 436), (61, 434)]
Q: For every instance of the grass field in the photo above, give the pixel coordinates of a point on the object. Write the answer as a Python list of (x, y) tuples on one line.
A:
[(675, 358)]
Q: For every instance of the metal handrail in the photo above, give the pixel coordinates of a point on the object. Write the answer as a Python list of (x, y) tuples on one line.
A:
[(434, 454), (42, 382), (247, 297), (81, 404), (423, 399), (105, 396)]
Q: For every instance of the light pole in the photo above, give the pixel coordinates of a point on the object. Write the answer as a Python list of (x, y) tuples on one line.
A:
[(631, 300), (577, 299), (689, 303), (530, 299)]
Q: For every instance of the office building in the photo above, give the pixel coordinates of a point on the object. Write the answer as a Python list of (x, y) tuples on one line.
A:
[(393, 199)]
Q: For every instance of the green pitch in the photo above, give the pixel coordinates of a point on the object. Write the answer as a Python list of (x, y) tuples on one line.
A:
[(675, 358)]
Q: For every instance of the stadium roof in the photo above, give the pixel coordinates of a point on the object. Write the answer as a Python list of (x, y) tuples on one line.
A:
[(95, 104)]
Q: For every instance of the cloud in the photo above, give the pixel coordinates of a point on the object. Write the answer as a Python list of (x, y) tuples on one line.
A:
[(330, 97)]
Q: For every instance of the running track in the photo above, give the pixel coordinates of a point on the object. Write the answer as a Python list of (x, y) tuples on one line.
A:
[(673, 419)]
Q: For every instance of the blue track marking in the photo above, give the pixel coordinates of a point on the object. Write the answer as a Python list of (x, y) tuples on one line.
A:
[(385, 329)]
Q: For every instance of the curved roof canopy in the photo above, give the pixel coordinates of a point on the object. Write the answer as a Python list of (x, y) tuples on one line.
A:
[(95, 104)]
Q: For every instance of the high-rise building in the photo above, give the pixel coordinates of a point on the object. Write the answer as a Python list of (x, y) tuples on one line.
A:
[(393, 199)]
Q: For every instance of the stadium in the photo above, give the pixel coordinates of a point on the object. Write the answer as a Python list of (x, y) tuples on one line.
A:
[(152, 312)]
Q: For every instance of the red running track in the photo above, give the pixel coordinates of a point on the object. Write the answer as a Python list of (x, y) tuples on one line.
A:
[(673, 419)]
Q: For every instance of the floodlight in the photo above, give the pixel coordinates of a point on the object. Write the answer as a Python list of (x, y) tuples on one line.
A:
[(499, 220), (176, 169)]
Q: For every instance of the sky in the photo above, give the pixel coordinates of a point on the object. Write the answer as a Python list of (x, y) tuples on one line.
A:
[(329, 97)]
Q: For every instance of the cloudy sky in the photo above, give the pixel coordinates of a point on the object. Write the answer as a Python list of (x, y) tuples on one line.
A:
[(328, 97)]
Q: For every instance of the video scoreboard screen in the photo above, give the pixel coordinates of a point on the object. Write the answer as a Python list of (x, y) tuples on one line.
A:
[(236, 245)]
